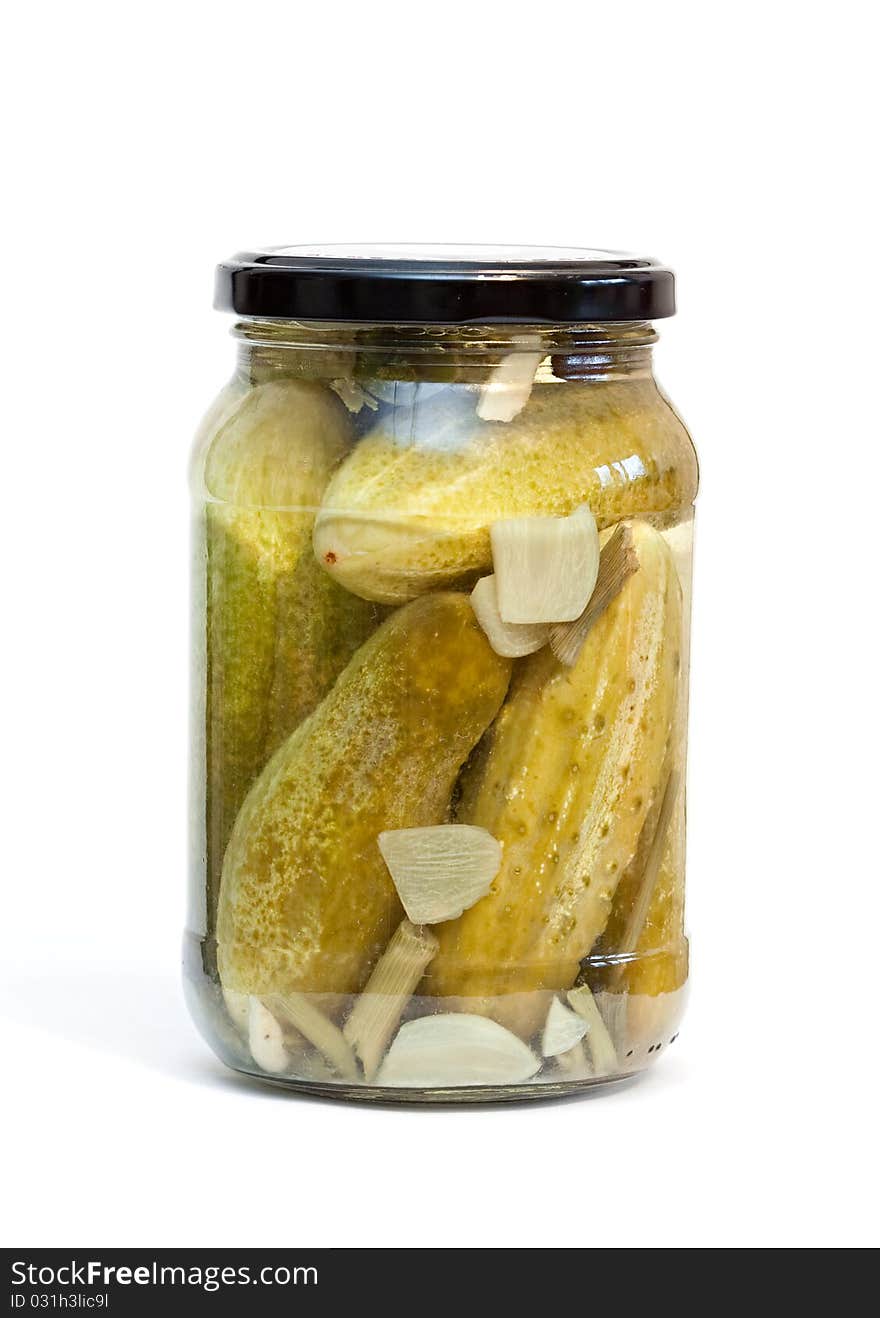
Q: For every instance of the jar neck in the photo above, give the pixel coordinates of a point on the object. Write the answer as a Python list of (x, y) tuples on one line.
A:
[(456, 354)]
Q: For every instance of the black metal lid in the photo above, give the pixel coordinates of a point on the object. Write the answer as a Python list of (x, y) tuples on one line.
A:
[(389, 283)]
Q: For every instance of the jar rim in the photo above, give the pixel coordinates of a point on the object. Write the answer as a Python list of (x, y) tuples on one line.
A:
[(451, 284)]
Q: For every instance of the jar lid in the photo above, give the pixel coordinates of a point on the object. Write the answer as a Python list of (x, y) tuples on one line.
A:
[(387, 283)]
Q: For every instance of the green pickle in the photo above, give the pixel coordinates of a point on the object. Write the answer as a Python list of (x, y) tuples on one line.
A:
[(645, 989), (278, 630), (566, 780), (306, 902), (410, 509)]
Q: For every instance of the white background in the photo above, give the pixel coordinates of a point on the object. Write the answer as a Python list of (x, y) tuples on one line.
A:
[(144, 143)]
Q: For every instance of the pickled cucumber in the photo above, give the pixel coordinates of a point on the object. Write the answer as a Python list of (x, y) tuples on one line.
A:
[(279, 630), (410, 509), (306, 901), (566, 779), (660, 957)]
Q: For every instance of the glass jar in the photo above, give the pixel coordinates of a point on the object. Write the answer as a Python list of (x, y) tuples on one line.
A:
[(442, 560)]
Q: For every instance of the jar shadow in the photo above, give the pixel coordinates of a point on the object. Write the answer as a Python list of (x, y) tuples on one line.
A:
[(137, 1015)]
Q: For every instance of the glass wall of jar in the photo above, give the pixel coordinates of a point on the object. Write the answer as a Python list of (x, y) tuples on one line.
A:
[(440, 620)]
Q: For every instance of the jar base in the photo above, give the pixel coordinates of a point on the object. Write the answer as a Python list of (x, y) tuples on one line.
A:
[(652, 1025), (470, 1095)]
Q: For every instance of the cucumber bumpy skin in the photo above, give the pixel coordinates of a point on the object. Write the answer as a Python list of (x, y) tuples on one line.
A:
[(278, 630), (660, 957), (565, 780), (306, 901), (410, 509)]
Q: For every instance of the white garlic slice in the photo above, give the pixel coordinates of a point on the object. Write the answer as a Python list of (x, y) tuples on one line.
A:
[(441, 870), (545, 567), (353, 396), (510, 639), (266, 1039), (456, 1049), (562, 1030), (603, 1054), (506, 392)]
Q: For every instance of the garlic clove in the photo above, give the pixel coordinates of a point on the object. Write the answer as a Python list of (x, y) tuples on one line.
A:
[(511, 639), (509, 387), (441, 870), (603, 1054), (266, 1039), (562, 1030), (456, 1049), (352, 395), (545, 567)]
